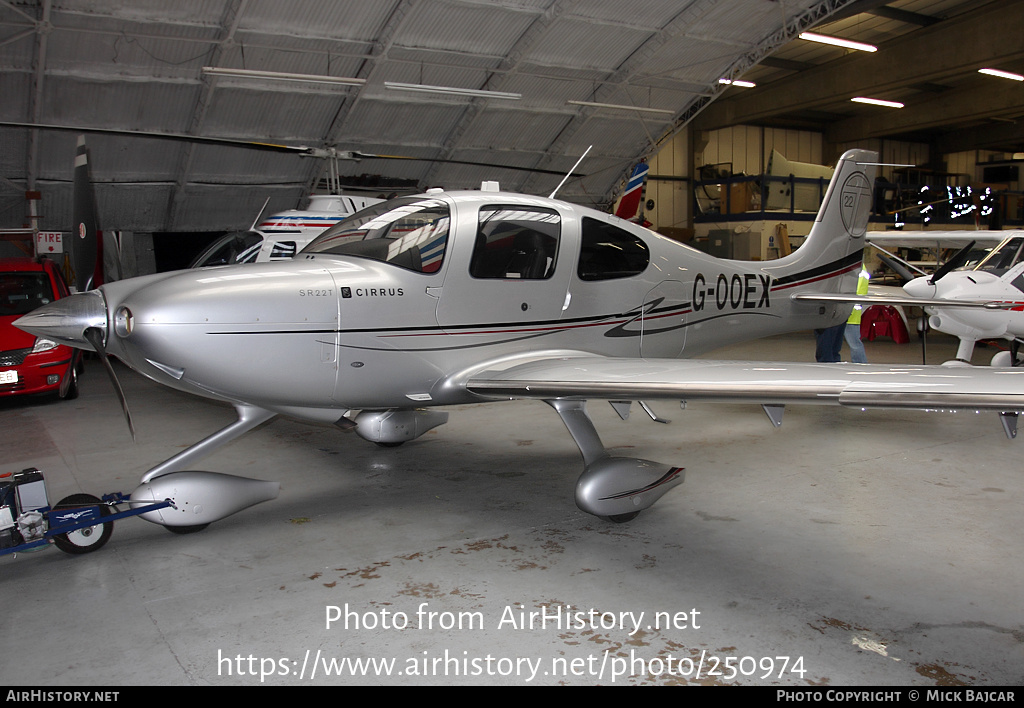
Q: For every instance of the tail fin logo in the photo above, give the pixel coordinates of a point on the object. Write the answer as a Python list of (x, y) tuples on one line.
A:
[(856, 199), (630, 201)]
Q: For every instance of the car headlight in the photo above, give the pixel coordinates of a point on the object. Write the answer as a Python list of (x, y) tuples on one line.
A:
[(43, 345)]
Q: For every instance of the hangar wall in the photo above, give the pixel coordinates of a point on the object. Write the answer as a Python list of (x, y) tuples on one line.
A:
[(671, 197), (745, 149)]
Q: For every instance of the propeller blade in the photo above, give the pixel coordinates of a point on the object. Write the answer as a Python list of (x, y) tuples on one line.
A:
[(86, 225), (958, 259), (274, 147), (95, 337), (181, 137), (901, 270), (495, 165)]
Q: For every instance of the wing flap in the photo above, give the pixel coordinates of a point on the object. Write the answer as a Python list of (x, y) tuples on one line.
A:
[(859, 385)]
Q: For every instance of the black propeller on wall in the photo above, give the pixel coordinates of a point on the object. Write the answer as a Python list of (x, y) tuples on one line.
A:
[(84, 238), (85, 256)]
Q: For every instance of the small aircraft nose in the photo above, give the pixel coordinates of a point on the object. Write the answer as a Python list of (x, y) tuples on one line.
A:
[(67, 319), (920, 287)]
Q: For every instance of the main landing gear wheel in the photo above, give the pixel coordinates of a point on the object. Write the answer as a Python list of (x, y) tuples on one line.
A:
[(623, 518), (89, 539), (182, 530)]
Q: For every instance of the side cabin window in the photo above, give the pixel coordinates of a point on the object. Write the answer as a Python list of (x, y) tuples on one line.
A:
[(282, 250), (516, 242), (608, 252), (411, 233)]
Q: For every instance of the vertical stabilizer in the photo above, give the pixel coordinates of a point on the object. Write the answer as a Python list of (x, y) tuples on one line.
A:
[(630, 202), (836, 241)]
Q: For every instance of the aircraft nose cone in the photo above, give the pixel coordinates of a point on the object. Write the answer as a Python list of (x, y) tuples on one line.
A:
[(920, 287), (66, 320)]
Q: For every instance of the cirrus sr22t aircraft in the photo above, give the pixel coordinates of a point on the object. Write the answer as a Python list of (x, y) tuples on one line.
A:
[(461, 297)]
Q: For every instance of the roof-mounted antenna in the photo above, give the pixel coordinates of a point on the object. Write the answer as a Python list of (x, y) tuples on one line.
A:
[(552, 195), (260, 215)]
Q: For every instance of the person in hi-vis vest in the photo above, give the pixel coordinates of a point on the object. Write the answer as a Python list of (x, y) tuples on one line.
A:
[(857, 353)]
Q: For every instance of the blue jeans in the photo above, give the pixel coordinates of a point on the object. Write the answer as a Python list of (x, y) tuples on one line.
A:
[(857, 353)]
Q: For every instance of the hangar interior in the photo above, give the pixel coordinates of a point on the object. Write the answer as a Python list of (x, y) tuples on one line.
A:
[(877, 547)]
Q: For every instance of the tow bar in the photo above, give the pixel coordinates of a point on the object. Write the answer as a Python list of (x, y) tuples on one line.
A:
[(80, 523)]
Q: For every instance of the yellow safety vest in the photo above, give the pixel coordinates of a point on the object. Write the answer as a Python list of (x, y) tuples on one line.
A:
[(862, 289)]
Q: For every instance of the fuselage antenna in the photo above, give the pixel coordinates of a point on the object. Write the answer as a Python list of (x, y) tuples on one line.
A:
[(552, 195), (260, 215)]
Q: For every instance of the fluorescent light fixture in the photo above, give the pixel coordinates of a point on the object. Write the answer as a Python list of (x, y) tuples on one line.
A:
[(737, 82), (283, 76), (877, 102), (837, 42), (1001, 74), (616, 106), (452, 91)]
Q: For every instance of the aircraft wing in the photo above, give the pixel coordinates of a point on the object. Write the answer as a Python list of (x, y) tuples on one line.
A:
[(767, 383), (900, 299), (928, 239)]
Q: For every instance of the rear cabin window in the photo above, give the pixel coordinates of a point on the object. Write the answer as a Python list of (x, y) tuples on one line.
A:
[(608, 252), (515, 243)]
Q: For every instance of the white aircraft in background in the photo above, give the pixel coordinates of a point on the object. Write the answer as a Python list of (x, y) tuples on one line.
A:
[(280, 236), (984, 300), (997, 280)]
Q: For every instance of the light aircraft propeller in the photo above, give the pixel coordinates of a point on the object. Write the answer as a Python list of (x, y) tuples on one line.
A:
[(958, 259)]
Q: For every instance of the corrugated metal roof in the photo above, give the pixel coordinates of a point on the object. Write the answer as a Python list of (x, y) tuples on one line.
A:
[(138, 66)]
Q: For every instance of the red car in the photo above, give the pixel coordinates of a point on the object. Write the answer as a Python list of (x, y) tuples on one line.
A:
[(30, 364)]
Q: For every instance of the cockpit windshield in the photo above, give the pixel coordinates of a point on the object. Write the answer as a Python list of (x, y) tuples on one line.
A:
[(410, 232), (232, 248), (1003, 257)]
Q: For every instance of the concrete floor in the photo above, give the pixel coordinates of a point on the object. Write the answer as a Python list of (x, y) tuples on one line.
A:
[(870, 548)]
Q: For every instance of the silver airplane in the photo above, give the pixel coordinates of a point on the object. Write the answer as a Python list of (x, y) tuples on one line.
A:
[(449, 298)]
